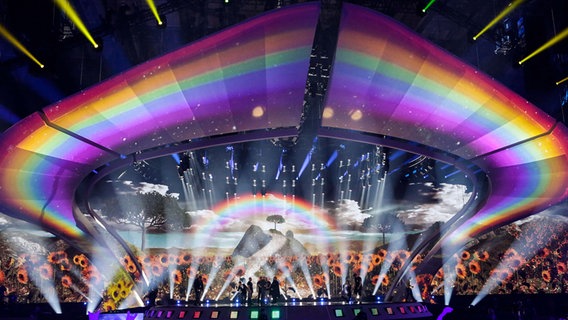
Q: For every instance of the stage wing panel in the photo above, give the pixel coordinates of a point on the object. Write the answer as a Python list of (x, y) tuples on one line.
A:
[(388, 81), (249, 77)]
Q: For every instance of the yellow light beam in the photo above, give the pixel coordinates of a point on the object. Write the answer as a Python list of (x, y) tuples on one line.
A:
[(559, 82), (8, 36), (66, 7), (512, 6), (559, 37), (154, 10)]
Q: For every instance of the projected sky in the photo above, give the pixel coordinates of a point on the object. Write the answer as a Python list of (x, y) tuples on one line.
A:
[(385, 81)]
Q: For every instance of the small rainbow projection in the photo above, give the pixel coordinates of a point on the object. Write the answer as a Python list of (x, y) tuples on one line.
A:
[(239, 213), (208, 88), (391, 82)]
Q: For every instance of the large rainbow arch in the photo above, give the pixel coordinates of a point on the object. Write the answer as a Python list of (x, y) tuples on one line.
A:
[(250, 79)]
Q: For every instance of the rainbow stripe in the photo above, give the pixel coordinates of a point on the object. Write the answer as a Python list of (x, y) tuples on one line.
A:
[(393, 83), (208, 88)]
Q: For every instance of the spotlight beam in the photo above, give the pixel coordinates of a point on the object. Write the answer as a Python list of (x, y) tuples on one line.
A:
[(559, 37), (10, 38), (561, 81), (66, 7), (512, 6), (430, 3), (154, 10)]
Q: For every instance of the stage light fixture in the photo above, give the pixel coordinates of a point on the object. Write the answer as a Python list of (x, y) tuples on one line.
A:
[(10, 38), (276, 314), (100, 44), (512, 6), (559, 37), (162, 22), (254, 314), (338, 313)]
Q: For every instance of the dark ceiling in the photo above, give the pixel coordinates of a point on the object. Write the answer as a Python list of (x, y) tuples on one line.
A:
[(130, 36)]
